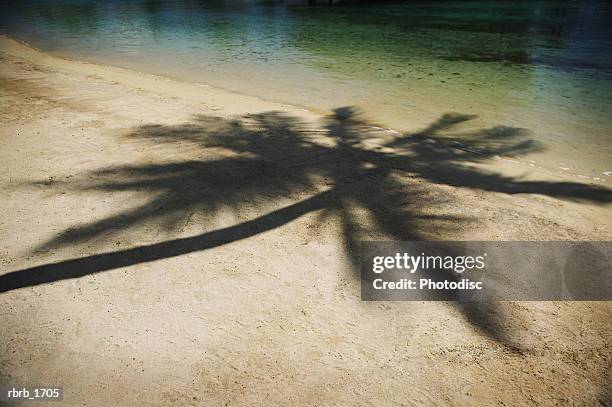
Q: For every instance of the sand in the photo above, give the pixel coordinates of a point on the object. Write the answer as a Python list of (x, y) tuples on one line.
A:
[(164, 243)]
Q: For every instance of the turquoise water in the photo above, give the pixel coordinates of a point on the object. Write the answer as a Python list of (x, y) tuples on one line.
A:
[(542, 65)]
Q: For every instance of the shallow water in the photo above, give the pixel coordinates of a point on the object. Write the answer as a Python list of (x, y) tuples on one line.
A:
[(545, 66)]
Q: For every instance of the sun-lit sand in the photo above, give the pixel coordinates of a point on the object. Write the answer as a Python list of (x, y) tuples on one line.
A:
[(166, 242)]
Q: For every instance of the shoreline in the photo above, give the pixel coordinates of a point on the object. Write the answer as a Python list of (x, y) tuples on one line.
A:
[(127, 76), (177, 87)]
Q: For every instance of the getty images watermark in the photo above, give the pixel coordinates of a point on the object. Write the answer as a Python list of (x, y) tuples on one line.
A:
[(486, 271)]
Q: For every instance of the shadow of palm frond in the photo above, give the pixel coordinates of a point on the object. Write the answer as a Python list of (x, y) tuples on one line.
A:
[(282, 169)]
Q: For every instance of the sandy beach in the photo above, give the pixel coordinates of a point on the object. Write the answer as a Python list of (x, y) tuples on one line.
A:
[(169, 243)]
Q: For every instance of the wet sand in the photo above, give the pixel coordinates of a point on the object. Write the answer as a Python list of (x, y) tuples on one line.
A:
[(167, 243)]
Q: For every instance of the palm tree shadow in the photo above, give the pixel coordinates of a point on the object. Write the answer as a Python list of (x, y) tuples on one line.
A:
[(273, 158)]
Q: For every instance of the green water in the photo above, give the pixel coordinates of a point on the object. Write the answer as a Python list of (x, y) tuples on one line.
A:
[(545, 66)]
